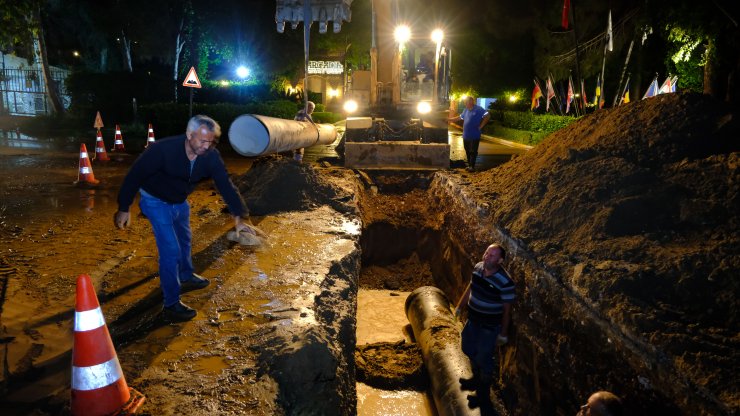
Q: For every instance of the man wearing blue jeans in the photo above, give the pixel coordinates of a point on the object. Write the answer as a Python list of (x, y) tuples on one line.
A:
[(489, 296), (165, 174), (474, 118)]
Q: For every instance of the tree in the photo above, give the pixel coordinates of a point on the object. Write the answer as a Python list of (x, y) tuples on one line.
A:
[(703, 35), (21, 26)]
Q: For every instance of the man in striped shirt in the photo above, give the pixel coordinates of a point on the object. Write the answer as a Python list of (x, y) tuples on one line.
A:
[(489, 297)]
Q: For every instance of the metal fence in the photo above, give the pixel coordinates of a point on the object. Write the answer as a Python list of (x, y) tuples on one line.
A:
[(24, 93)]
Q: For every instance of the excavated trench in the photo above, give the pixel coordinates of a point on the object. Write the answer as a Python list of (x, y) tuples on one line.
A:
[(403, 248)]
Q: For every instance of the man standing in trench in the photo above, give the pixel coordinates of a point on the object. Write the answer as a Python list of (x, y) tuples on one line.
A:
[(489, 297), (474, 118), (165, 174)]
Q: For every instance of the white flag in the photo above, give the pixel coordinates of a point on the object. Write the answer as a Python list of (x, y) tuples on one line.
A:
[(609, 43)]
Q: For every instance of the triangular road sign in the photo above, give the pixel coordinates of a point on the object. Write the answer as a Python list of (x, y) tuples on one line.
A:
[(191, 80), (98, 121)]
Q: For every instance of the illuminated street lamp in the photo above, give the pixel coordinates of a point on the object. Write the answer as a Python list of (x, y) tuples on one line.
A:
[(437, 36), (242, 71), (402, 34)]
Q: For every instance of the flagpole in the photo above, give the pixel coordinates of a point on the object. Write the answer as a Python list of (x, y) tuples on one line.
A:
[(575, 38), (607, 40), (624, 69), (557, 99), (624, 90)]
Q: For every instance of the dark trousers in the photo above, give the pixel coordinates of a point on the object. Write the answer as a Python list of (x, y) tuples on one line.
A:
[(471, 150)]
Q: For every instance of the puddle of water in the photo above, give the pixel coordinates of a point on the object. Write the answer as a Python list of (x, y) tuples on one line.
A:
[(381, 316), (210, 365), (376, 402)]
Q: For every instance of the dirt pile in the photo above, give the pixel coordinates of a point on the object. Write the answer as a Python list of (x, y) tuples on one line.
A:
[(391, 366), (636, 210), (277, 184)]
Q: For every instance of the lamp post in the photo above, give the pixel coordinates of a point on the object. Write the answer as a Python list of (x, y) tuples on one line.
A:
[(437, 36)]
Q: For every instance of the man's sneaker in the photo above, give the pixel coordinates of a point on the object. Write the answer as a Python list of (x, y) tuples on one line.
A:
[(178, 312), (194, 283)]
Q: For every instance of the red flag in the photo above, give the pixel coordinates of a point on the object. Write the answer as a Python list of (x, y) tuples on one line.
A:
[(536, 94), (570, 94), (583, 94), (566, 10), (550, 93)]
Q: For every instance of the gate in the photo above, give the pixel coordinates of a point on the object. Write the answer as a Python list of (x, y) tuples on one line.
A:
[(24, 93)]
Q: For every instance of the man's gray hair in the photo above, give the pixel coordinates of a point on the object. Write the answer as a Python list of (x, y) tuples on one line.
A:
[(200, 120)]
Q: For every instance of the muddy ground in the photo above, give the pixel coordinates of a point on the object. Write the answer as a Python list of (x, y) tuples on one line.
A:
[(623, 238)]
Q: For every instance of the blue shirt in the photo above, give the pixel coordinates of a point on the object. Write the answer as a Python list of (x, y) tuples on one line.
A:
[(471, 122), (165, 172)]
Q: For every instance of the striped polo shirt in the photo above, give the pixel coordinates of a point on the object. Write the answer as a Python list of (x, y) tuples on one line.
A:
[(488, 294)]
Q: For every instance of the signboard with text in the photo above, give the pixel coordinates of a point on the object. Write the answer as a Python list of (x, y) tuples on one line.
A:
[(325, 67)]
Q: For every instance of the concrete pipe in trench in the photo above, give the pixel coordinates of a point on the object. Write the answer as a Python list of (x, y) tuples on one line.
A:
[(255, 135), (428, 311)]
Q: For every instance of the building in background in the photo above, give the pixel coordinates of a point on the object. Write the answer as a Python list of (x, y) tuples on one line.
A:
[(22, 88)]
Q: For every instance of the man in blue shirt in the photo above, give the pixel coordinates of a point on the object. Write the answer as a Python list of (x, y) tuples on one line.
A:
[(474, 117), (165, 174)]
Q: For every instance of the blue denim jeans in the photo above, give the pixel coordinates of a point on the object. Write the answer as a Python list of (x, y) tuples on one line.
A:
[(479, 344), (171, 225)]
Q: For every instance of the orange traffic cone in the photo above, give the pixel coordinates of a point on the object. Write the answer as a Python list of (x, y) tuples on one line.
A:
[(100, 153), (150, 136), (98, 385), (118, 143), (85, 175)]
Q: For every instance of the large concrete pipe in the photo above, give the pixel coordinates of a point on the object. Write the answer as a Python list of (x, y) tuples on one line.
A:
[(428, 311), (255, 135)]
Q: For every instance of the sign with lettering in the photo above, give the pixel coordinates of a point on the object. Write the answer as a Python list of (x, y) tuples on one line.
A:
[(325, 67)]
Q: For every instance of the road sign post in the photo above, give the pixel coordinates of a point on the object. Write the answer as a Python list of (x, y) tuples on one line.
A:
[(191, 81)]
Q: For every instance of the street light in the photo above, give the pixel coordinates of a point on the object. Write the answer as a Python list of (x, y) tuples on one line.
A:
[(242, 71), (437, 36), (402, 34)]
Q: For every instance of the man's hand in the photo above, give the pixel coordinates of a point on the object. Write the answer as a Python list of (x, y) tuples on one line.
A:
[(247, 227), (501, 340), (122, 219)]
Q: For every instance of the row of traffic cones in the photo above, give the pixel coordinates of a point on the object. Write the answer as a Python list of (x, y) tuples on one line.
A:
[(86, 177), (98, 385)]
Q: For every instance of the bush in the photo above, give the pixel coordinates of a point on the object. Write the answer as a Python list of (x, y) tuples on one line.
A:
[(526, 120), (326, 117)]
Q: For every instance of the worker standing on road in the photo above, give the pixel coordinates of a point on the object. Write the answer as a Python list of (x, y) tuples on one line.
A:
[(165, 174), (474, 118), (488, 297), (304, 114)]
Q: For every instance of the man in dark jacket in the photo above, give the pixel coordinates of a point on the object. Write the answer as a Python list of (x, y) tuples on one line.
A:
[(165, 174)]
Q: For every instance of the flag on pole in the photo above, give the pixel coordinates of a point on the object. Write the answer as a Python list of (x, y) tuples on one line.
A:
[(666, 87), (652, 89), (583, 94), (570, 94), (626, 95), (609, 42), (536, 94), (550, 93), (674, 81), (598, 90), (566, 10)]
